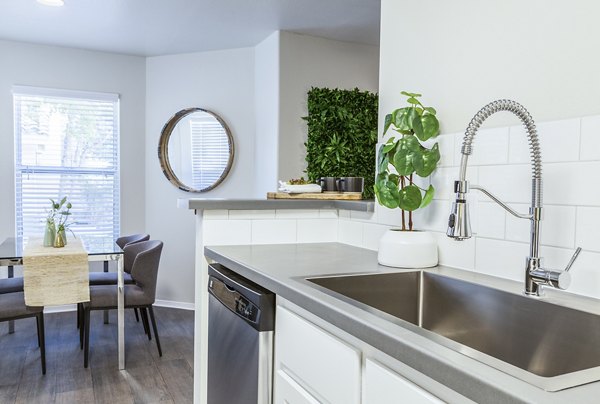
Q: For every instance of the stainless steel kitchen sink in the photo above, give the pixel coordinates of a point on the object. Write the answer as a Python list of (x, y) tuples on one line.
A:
[(547, 345)]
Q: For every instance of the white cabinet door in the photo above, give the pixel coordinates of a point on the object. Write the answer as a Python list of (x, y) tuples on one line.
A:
[(323, 365), (287, 391), (382, 386)]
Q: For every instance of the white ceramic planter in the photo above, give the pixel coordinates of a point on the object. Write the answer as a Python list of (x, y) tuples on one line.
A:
[(408, 249)]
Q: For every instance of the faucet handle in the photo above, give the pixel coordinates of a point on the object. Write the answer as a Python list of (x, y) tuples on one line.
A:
[(573, 258)]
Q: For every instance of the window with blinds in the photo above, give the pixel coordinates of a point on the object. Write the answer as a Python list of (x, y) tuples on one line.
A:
[(210, 151), (67, 144)]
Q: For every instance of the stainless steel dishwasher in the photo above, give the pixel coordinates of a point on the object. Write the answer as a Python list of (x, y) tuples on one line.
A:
[(241, 316)]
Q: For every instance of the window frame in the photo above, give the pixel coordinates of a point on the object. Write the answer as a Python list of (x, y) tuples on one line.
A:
[(20, 169)]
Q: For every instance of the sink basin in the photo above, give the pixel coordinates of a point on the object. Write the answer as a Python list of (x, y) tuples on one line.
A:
[(547, 345)]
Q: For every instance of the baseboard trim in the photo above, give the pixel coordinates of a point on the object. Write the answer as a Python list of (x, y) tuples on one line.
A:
[(174, 305), (159, 303)]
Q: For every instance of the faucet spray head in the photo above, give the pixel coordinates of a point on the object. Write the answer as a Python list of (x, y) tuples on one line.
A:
[(459, 224)]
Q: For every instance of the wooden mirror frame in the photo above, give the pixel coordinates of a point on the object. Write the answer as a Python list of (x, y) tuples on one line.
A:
[(163, 149)]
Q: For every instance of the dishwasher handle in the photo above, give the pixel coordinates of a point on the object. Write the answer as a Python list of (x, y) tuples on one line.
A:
[(233, 300)]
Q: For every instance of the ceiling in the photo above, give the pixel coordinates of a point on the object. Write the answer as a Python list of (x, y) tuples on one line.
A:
[(160, 27)]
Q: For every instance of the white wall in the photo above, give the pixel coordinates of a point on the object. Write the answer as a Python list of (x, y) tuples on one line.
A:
[(223, 82), (462, 54), (306, 62), (537, 53), (266, 98), (54, 67)]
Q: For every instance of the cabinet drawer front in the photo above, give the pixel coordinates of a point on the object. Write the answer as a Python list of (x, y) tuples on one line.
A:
[(318, 361), (382, 386), (287, 391)]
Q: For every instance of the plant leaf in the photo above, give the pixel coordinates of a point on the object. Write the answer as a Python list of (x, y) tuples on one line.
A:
[(382, 159), (386, 192), (430, 160), (400, 119), (388, 146), (414, 120), (410, 142), (413, 101), (431, 126), (410, 198), (431, 110), (416, 159), (428, 197), (410, 94), (387, 123), (402, 162)]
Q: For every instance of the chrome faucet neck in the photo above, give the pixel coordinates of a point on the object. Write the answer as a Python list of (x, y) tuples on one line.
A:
[(458, 224)]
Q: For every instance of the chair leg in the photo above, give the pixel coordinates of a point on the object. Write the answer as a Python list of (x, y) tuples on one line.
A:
[(81, 322), (144, 315), (42, 340), (86, 342), (37, 323), (151, 310), (137, 318)]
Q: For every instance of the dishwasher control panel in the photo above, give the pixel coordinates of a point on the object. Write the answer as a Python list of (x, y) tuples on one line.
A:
[(233, 300)]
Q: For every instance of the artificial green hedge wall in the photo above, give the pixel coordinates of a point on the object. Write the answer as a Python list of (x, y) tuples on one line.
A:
[(342, 135)]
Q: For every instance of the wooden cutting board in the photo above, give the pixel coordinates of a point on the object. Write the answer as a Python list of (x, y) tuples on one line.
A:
[(322, 196)]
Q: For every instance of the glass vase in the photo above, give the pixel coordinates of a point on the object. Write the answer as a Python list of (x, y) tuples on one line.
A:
[(49, 234)]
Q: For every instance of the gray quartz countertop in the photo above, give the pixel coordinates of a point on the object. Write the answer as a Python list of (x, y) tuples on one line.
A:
[(282, 268), (264, 204)]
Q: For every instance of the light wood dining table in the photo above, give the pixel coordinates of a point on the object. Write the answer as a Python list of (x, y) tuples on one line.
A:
[(99, 250)]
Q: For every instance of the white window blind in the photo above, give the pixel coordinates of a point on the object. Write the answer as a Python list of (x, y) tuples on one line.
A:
[(210, 151), (67, 144)]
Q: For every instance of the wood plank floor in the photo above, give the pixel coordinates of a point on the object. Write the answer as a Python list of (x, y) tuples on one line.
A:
[(147, 379)]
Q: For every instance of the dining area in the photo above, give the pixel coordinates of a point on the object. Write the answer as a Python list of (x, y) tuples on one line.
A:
[(100, 293)]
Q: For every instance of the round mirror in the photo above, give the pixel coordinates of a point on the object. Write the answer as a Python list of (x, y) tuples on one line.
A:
[(195, 150)]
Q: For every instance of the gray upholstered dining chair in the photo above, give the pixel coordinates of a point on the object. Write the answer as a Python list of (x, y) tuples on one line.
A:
[(12, 307), (110, 278), (11, 285), (140, 295)]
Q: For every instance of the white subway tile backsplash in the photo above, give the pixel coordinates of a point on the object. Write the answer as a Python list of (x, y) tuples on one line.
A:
[(328, 214), (557, 229), (458, 254), (344, 214), (490, 146), (559, 141), (391, 217), (252, 214), (364, 216), (276, 231), (443, 180), (590, 138), (588, 226), (317, 230), (572, 183), (372, 233), (215, 214), (447, 148), (504, 259), (227, 232), (510, 183), (585, 277), (297, 213), (490, 220), (434, 217), (350, 232)]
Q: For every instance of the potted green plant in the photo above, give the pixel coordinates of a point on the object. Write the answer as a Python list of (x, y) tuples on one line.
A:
[(63, 210), (402, 158)]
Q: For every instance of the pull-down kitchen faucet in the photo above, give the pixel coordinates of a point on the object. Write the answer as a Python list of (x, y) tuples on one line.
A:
[(459, 227)]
